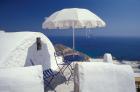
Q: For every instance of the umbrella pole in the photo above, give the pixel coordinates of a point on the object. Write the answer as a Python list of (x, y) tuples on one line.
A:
[(73, 40), (73, 43)]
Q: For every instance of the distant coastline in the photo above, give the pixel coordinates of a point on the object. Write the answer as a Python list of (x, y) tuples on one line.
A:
[(69, 51)]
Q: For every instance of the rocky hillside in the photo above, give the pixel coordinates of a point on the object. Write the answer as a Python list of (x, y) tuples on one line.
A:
[(68, 51)]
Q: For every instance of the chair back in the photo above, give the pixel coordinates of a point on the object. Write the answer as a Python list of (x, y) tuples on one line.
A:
[(59, 54)]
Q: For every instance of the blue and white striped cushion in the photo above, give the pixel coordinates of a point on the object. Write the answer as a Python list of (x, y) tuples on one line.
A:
[(48, 73)]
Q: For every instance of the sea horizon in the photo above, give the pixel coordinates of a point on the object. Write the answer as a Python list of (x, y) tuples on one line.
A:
[(121, 48)]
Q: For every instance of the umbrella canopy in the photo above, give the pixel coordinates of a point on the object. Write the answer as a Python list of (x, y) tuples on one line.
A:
[(73, 18)]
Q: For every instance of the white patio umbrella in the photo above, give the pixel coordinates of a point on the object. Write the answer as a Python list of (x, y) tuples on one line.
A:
[(75, 18)]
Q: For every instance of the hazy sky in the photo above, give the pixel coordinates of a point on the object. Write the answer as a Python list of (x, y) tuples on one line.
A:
[(121, 16)]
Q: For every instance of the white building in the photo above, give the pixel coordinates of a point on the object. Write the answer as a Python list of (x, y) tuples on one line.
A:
[(19, 49)]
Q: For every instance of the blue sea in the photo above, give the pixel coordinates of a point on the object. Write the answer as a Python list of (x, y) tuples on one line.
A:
[(122, 48)]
